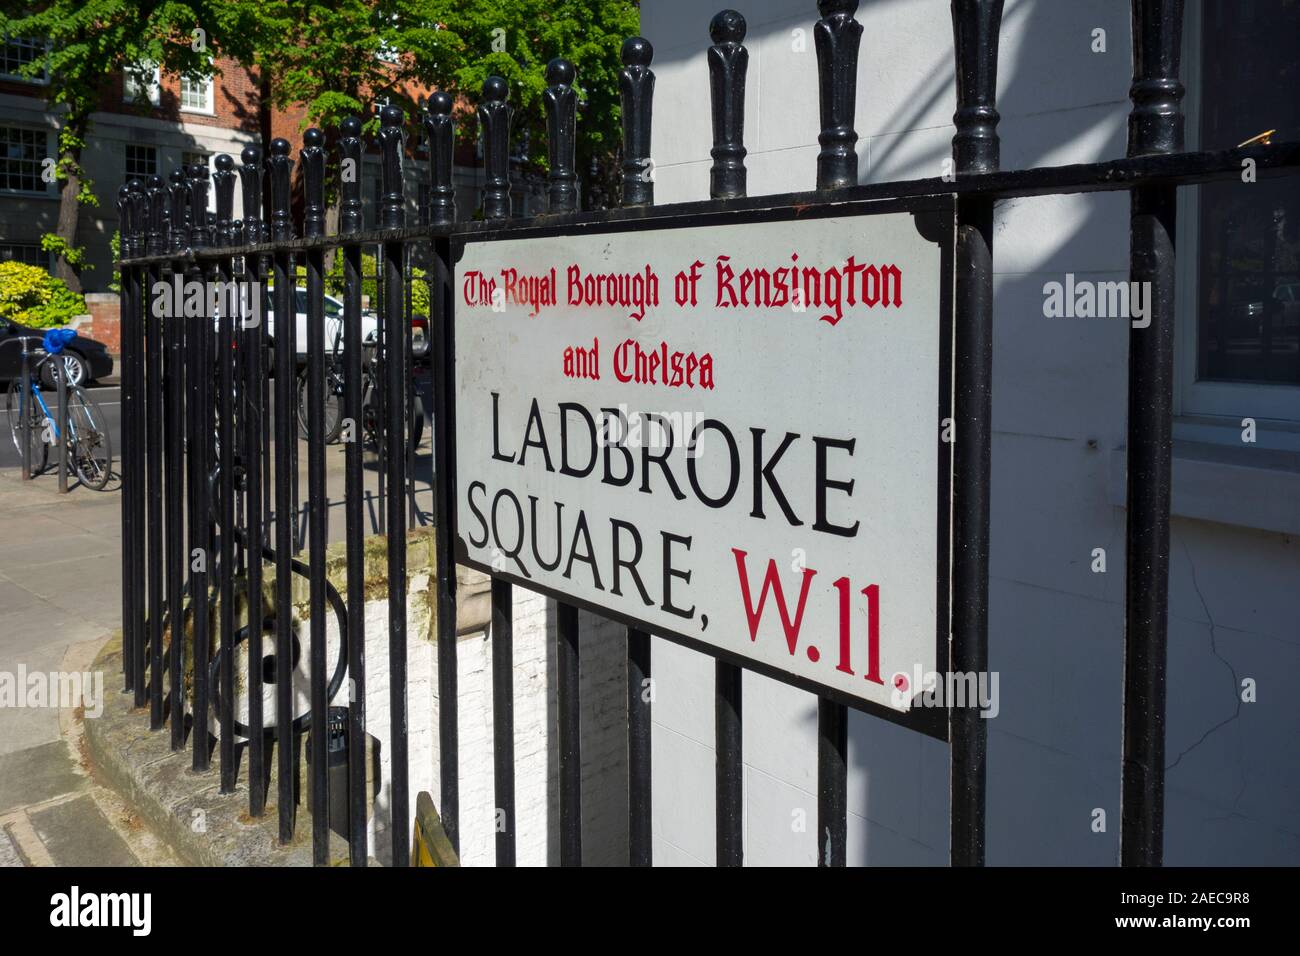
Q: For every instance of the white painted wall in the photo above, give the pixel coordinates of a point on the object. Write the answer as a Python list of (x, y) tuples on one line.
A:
[(1055, 630)]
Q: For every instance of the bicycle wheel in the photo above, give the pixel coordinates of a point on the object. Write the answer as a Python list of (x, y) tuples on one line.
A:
[(89, 447), (333, 403), (14, 408)]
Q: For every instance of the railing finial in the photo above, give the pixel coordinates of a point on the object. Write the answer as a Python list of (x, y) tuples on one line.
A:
[(157, 192), (637, 88), (139, 200), (250, 178), (440, 128), (224, 180), (494, 120), (728, 64), (351, 213), (975, 25), (392, 213), (198, 182), (313, 169), (562, 131), (179, 194), (1155, 124), (279, 165), (837, 36), (125, 226)]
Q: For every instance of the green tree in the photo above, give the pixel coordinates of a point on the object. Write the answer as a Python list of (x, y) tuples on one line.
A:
[(515, 40), (338, 59), (91, 42)]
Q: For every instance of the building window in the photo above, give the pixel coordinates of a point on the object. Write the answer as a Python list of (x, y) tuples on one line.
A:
[(141, 161), (28, 253), (142, 85), (1239, 294), (19, 52), (196, 95), (22, 158)]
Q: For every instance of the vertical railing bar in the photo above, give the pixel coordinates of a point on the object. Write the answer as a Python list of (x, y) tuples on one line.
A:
[(567, 672), (177, 422), (350, 221), (837, 36), (440, 128), (832, 783), (393, 215), (59, 370), (224, 180), (728, 63), (636, 89), (126, 238), (133, 455), (201, 445), (503, 719), (131, 637), (154, 423), (1155, 127), (975, 150), (313, 165), (640, 697), (279, 166), (253, 414)]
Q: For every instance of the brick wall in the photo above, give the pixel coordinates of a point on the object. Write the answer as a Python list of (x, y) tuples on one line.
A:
[(105, 320)]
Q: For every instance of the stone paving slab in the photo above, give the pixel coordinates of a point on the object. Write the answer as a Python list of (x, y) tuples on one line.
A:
[(37, 774), (76, 833)]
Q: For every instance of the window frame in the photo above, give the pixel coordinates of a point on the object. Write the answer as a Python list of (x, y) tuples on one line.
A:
[(209, 109), (1221, 403), (44, 191), (126, 153), (44, 78), (154, 93)]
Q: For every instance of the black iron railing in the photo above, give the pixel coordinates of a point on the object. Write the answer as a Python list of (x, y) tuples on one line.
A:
[(171, 508)]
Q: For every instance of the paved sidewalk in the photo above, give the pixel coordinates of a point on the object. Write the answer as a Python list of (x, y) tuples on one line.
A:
[(60, 598)]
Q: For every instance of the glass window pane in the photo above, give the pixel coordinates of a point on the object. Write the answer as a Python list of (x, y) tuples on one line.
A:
[(1249, 249)]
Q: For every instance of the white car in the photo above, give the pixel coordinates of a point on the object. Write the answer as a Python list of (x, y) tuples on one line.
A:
[(333, 324)]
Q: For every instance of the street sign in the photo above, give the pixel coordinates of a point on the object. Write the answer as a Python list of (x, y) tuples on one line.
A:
[(733, 435)]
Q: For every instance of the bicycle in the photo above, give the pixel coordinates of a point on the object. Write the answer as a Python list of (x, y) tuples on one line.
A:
[(89, 447), (370, 387)]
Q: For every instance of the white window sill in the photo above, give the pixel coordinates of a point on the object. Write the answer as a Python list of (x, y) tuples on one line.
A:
[(1246, 485), (198, 112), (29, 194)]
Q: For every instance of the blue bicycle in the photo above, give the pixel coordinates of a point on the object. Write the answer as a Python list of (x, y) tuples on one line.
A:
[(89, 450)]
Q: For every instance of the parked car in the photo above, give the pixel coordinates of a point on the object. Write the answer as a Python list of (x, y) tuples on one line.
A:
[(84, 358), (333, 324)]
